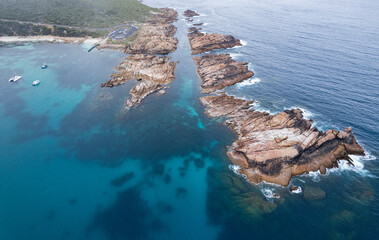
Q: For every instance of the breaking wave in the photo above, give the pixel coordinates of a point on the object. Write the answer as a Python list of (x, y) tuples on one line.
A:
[(248, 82)]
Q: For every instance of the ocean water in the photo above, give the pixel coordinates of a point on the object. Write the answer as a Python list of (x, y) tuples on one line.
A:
[(75, 165)]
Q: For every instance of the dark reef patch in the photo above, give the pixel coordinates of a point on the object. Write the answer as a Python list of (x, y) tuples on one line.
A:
[(127, 218)]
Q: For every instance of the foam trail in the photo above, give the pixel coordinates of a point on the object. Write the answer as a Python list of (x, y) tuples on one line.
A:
[(248, 82), (244, 43)]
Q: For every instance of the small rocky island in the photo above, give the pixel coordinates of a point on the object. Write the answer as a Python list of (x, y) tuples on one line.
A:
[(218, 71), (153, 73), (270, 148), (206, 42)]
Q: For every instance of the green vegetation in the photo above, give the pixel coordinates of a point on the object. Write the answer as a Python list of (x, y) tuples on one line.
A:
[(23, 29), (83, 13)]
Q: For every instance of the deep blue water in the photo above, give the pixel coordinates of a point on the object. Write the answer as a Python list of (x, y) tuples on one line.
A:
[(75, 165)]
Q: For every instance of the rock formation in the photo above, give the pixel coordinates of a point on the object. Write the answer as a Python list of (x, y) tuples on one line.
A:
[(190, 13), (164, 16), (219, 71), (157, 35), (141, 91), (273, 148), (154, 37), (149, 67), (205, 42)]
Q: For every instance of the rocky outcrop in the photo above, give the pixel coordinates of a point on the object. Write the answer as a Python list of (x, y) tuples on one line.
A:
[(164, 16), (156, 36), (154, 39), (273, 148), (148, 67), (141, 91), (190, 13), (219, 71), (206, 42)]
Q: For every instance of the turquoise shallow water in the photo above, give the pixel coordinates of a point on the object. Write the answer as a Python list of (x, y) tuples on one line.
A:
[(75, 165)]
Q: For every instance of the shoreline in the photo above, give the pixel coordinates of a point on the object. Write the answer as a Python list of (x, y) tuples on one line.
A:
[(48, 38)]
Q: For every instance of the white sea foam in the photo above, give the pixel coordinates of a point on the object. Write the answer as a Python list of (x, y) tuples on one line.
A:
[(243, 42), (235, 55), (298, 190), (236, 169), (357, 167), (269, 193), (256, 105), (248, 82), (306, 113), (345, 167)]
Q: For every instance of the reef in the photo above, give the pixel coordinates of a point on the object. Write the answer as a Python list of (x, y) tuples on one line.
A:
[(218, 71), (206, 42), (273, 148)]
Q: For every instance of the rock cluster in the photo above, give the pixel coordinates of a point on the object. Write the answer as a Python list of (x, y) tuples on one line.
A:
[(273, 148), (153, 72), (154, 39), (270, 148), (206, 42), (140, 66), (217, 71)]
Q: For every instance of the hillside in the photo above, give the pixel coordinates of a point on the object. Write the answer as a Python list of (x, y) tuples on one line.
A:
[(83, 13)]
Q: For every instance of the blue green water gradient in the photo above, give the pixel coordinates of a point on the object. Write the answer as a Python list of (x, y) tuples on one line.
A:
[(75, 165)]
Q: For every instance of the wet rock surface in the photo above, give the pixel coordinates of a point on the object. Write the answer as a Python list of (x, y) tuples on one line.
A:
[(206, 42), (273, 148), (218, 71)]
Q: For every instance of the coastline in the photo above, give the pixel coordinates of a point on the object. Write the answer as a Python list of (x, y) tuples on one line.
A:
[(269, 148), (49, 38)]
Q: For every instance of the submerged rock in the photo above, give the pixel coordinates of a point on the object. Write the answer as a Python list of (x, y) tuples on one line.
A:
[(218, 71), (314, 193), (205, 42), (262, 157)]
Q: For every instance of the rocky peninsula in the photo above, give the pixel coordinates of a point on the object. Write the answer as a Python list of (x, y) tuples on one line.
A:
[(270, 148), (153, 73)]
